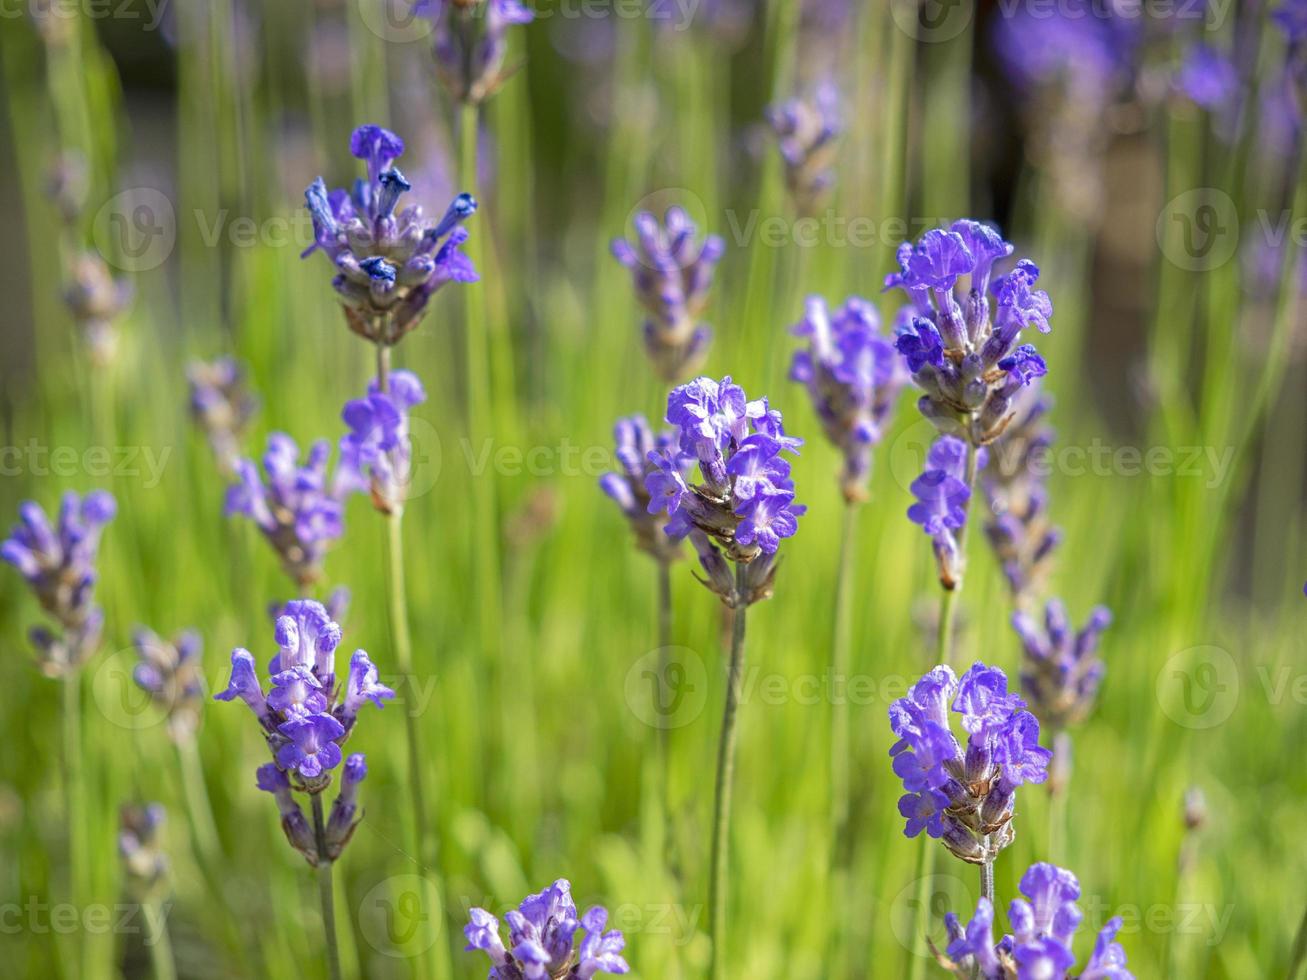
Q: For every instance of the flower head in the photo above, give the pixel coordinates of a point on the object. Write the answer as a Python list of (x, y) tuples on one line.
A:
[(651, 478), (853, 375), (377, 453), (964, 796), (295, 506), (58, 563), (145, 867), (221, 406), (807, 130), (672, 271), (173, 675), (1062, 670), (307, 716), (942, 494), (542, 939), (471, 43), (388, 265), (96, 299)]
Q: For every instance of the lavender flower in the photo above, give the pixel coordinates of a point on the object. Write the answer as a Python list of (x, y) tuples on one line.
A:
[(388, 265), (854, 377), (672, 271), (174, 677), (942, 494), (542, 939), (1062, 671), (969, 366), (221, 406), (307, 715), (807, 130), (471, 42), (296, 507), (1043, 925), (59, 567), (96, 299), (377, 453), (964, 798), (745, 502), (1018, 528), (636, 443), (1207, 78), (145, 867)]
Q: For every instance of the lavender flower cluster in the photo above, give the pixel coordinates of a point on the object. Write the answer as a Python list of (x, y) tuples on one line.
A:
[(942, 493), (376, 455), (672, 270), (306, 717), (965, 798), (58, 564), (1044, 924), (96, 299), (542, 939), (145, 866), (221, 406), (854, 377), (388, 265), (744, 503), (1062, 671), (807, 130), (173, 675), (471, 43), (968, 364), (637, 447)]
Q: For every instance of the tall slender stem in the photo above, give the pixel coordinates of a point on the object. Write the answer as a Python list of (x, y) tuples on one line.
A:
[(917, 957), (325, 891), (660, 692), (72, 765), (717, 892), (839, 739), (948, 607), (1299, 955), (1059, 791), (198, 809), (159, 943), (987, 875)]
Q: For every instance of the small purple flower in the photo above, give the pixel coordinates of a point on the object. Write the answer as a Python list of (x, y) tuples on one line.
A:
[(1207, 78), (542, 939), (672, 272), (306, 718), (650, 482), (58, 564), (295, 506), (745, 504), (1062, 670), (96, 299), (376, 455), (964, 797), (388, 265), (942, 494), (854, 377), (221, 406), (807, 130), (145, 866), (471, 43), (172, 674), (974, 946)]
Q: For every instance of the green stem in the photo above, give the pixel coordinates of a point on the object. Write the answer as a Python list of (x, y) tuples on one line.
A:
[(77, 849), (159, 943), (839, 739), (1059, 791), (1299, 955), (948, 607), (660, 692), (717, 892), (325, 891), (917, 958), (203, 830), (987, 875)]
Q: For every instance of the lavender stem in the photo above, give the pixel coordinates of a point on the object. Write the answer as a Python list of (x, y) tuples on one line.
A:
[(162, 963), (660, 692), (717, 893), (948, 607), (72, 765), (325, 891), (987, 874)]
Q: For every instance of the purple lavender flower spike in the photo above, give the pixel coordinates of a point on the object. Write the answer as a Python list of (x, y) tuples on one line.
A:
[(1044, 924), (296, 506), (145, 867), (377, 453), (542, 939), (96, 299), (471, 43), (807, 130), (964, 797), (221, 406), (58, 563), (306, 718), (744, 505), (650, 481), (672, 272), (388, 265), (942, 493), (1062, 671), (853, 376), (172, 674), (965, 360), (1207, 78)]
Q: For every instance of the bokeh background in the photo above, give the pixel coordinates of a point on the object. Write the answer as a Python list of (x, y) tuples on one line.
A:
[(1163, 199)]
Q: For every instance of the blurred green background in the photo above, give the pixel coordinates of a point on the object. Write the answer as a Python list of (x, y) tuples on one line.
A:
[(1180, 391)]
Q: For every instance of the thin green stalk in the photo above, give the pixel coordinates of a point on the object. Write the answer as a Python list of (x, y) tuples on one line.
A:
[(1299, 955), (987, 875), (77, 845), (948, 607), (840, 842), (1059, 791), (325, 891), (158, 942), (198, 809), (921, 909), (717, 891), (660, 692)]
